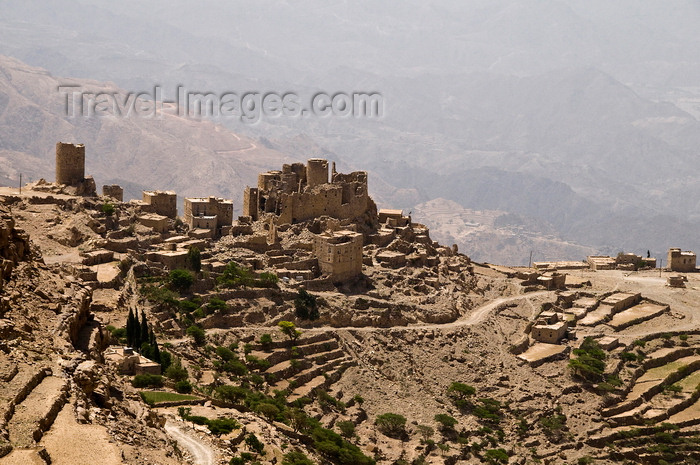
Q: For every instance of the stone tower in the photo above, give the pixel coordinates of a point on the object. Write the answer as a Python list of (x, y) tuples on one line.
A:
[(316, 172), (70, 163)]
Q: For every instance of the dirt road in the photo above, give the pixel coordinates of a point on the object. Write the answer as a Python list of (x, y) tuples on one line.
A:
[(202, 453)]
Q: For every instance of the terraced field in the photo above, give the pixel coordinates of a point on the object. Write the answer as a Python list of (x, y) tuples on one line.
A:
[(655, 416), (313, 363)]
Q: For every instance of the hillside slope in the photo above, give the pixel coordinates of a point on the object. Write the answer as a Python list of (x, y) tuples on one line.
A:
[(190, 156)]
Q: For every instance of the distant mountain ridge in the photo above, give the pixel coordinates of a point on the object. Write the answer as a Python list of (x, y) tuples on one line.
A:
[(194, 158)]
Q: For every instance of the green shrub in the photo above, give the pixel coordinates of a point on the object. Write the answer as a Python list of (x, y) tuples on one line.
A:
[(296, 458), (216, 304), (590, 362), (257, 363), (391, 424), (269, 411), (225, 353), (219, 426), (176, 371), (183, 387), (446, 422), (235, 367), (147, 380), (336, 449), (347, 428), (306, 305), (254, 443), (266, 341), (180, 280), (231, 394), (495, 456), (108, 209), (197, 334)]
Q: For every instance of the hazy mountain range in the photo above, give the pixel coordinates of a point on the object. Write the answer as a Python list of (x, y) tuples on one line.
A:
[(578, 116)]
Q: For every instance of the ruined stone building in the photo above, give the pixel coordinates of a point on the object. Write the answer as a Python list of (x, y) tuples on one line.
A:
[(339, 254), (70, 163), (160, 202), (393, 218), (70, 169), (683, 262), (209, 213), (114, 191), (301, 192)]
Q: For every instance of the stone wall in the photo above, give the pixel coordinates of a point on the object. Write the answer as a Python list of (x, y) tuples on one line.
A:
[(114, 191)]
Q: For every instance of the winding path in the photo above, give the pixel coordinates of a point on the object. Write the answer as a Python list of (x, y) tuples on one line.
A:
[(474, 317), (202, 453)]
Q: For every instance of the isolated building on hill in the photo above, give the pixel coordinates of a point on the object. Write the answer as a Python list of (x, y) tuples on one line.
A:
[(683, 262), (70, 169), (301, 192)]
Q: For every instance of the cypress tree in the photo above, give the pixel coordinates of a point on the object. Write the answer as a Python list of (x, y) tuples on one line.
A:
[(130, 329), (144, 328), (136, 341), (156, 352)]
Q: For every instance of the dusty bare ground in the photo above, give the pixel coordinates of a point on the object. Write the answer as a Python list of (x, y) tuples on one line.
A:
[(66, 433)]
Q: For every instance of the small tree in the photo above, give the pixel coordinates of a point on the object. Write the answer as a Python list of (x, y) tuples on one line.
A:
[(266, 341), (447, 422), (306, 305), (496, 456), (197, 334), (181, 280), (460, 392), (231, 394), (254, 443), (298, 419), (289, 329), (426, 432), (130, 328), (391, 424)]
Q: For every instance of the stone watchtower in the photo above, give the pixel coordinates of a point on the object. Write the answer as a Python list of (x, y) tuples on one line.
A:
[(316, 172), (70, 163)]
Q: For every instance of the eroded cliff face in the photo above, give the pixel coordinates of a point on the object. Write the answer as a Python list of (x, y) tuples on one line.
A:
[(55, 390)]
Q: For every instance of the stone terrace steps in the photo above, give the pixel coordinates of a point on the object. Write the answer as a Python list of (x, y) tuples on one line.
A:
[(321, 381), (37, 412), (303, 350), (307, 375), (284, 369), (651, 383), (16, 389)]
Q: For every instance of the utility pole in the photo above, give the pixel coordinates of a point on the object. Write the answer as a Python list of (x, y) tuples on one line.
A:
[(529, 264), (20, 183)]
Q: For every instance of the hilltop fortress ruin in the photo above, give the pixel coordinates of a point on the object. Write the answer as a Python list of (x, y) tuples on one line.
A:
[(302, 192)]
